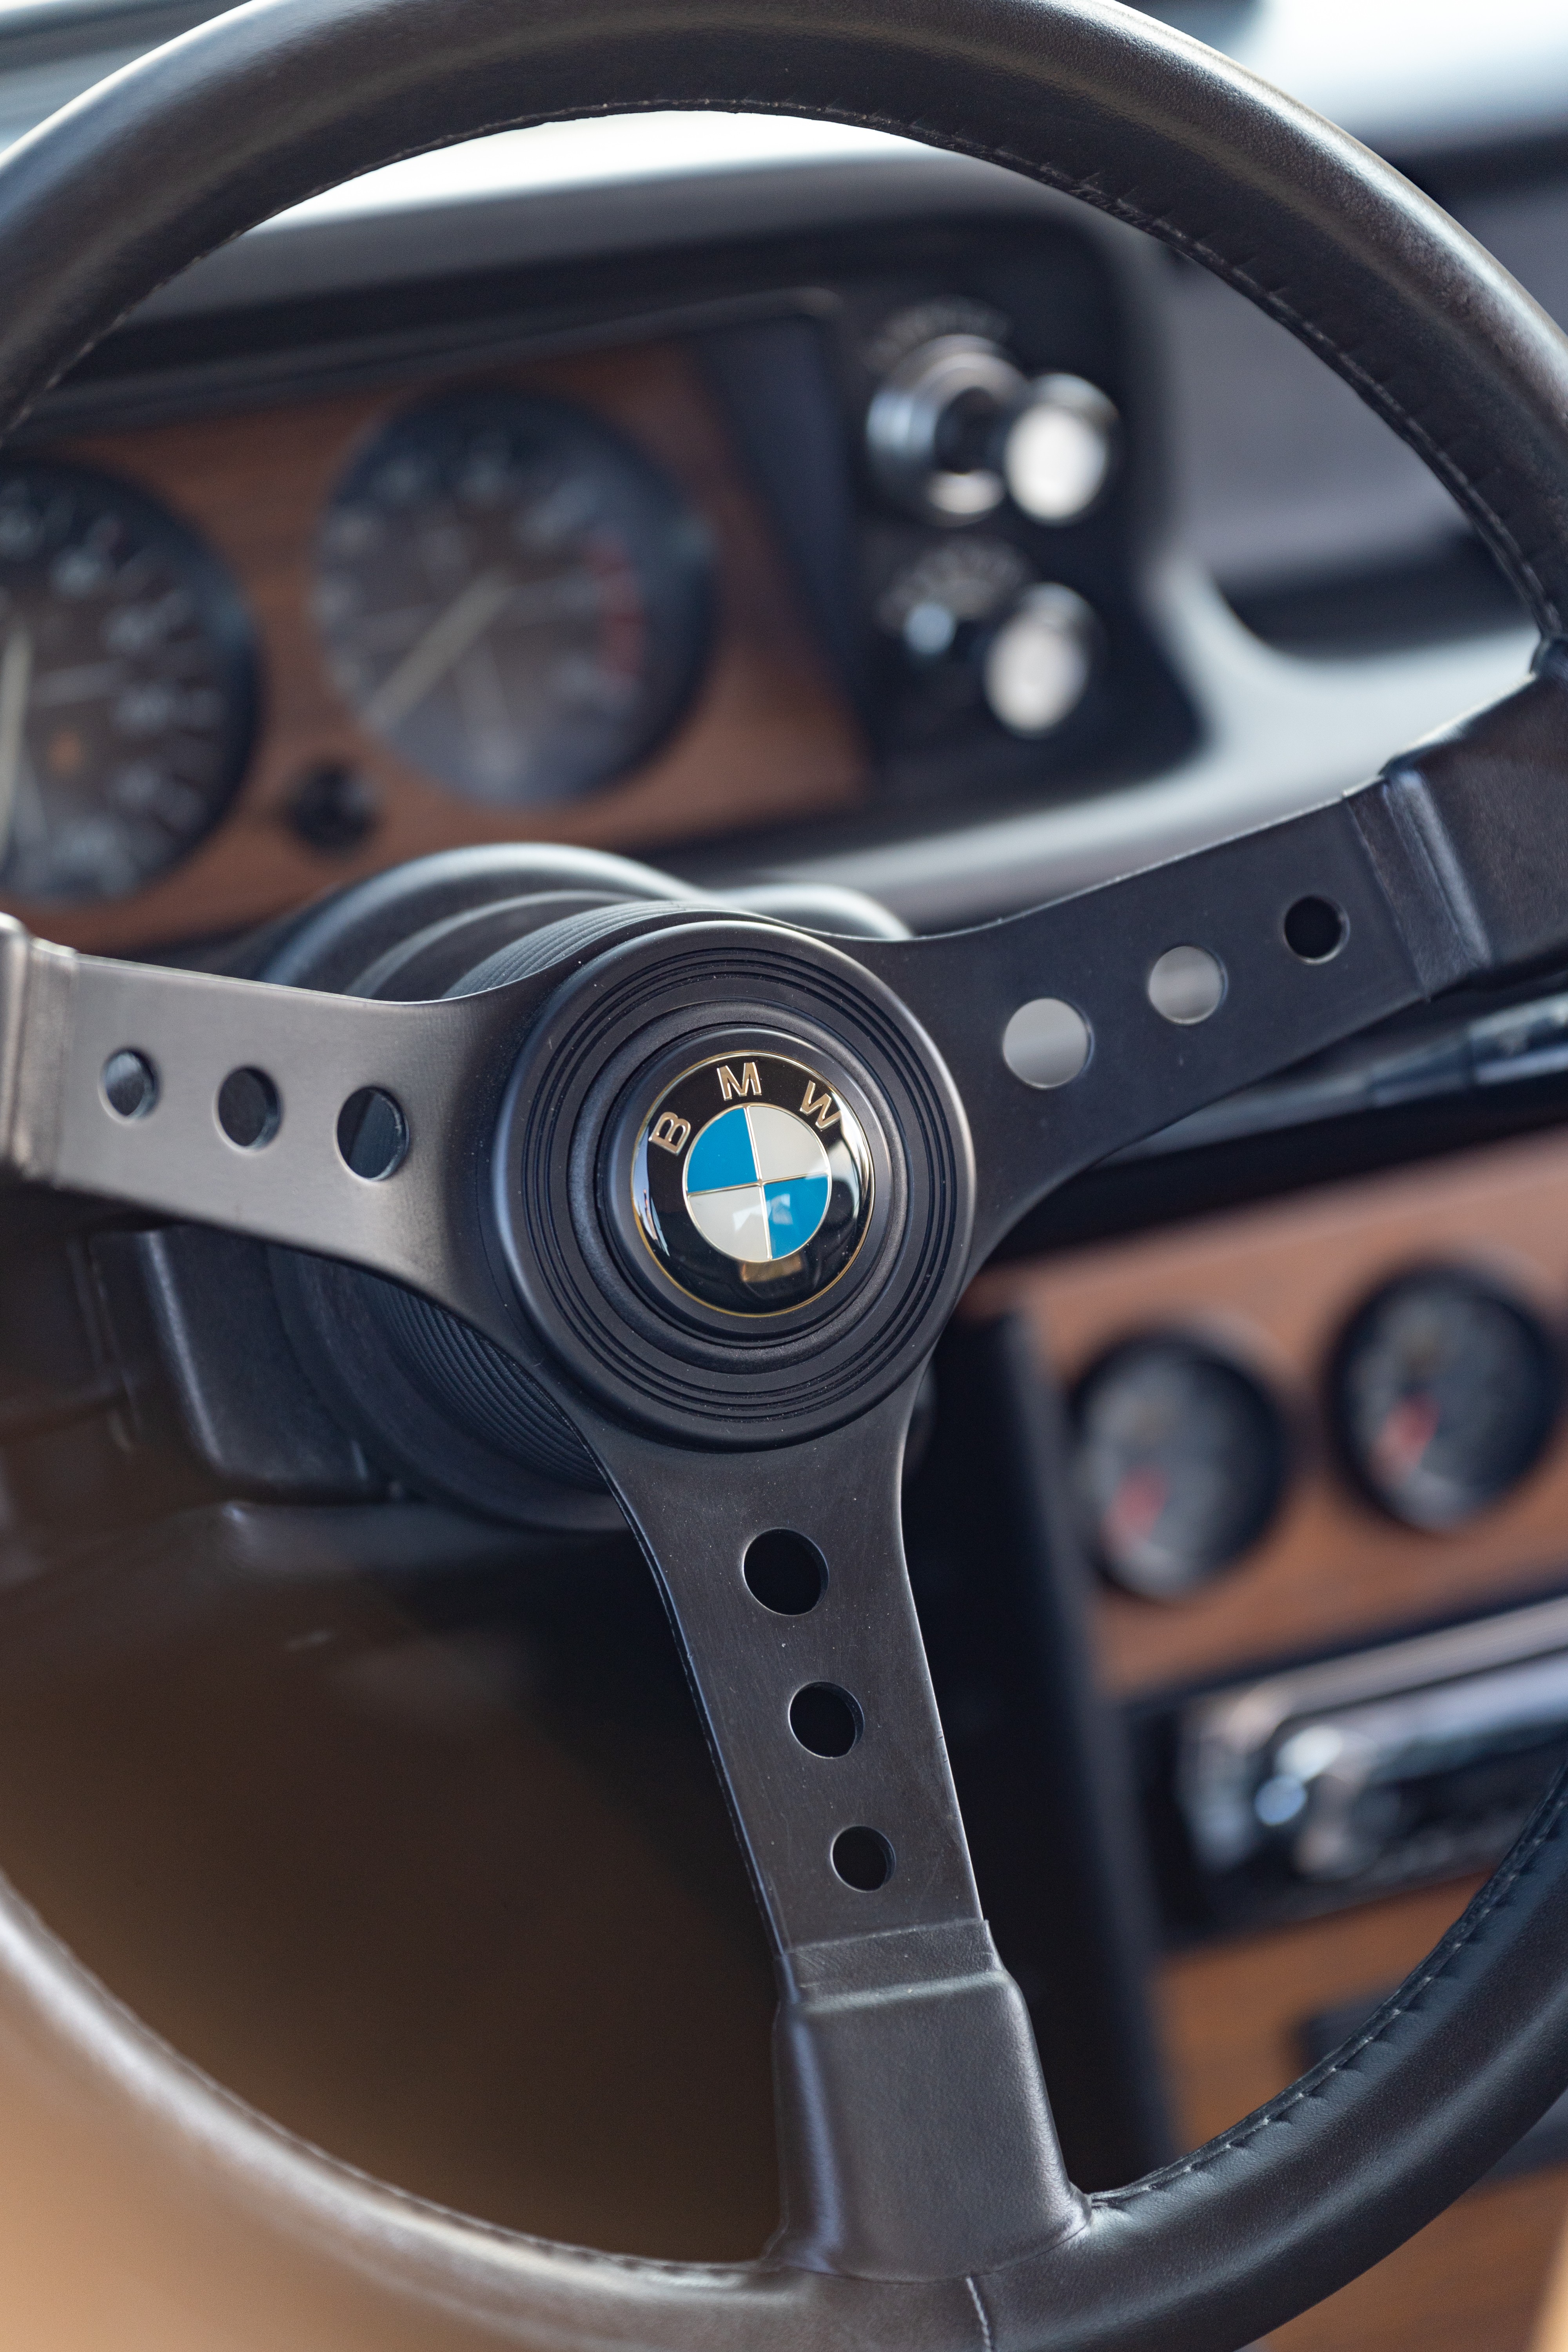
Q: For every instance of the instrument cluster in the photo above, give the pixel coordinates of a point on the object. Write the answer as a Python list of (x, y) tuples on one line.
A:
[(1440, 1396), (865, 548), (505, 591)]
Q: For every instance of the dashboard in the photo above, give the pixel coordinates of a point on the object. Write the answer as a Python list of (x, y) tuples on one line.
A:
[(354, 615), (852, 549), (795, 507)]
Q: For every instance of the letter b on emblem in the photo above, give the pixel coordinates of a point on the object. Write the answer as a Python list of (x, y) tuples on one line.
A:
[(669, 1133)]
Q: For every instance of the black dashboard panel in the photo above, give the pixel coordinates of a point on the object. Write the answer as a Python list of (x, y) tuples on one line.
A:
[(1047, 302)]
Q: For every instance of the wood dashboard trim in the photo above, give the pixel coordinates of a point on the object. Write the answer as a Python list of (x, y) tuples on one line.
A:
[(1276, 1283), (767, 737), (1231, 2018)]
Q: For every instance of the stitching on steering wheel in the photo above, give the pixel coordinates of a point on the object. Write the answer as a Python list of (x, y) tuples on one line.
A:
[(1464, 1931), (1153, 225), (1119, 208)]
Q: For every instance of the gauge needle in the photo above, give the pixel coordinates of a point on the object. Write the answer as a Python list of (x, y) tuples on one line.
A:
[(426, 663), (15, 678)]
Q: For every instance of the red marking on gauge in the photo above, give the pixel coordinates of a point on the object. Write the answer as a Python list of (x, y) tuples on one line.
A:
[(1404, 1435), (623, 622), (1135, 1508)]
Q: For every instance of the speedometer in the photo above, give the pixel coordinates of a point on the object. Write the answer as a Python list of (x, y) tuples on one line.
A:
[(511, 597), (127, 686)]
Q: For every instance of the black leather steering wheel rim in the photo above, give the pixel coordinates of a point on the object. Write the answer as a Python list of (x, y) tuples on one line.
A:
[(279, 99), (284, 96)]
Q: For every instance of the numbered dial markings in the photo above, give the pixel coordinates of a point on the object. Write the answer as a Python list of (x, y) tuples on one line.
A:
[(752, 1183), (511, 597), (127, 686)]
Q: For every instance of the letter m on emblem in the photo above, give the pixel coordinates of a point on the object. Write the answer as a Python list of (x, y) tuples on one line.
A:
[(818, 1107), (748, 1082)]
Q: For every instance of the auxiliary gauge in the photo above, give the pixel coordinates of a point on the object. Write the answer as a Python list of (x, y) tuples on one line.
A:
[(1181, 1462), (1445, 1391)]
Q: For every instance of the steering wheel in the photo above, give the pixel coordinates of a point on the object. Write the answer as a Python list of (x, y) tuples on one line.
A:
[(631, 1189)]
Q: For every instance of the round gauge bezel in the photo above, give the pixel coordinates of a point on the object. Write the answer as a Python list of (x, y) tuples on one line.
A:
[(1544, 1345), (1276, 1421), (225, 622), (668, 542)]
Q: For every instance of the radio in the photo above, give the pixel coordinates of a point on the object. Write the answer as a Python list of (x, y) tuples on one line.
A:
[(1327, 1783)]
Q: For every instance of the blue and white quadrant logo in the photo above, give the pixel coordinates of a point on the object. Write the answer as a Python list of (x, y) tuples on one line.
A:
[(756, 1182), (752, 1183)]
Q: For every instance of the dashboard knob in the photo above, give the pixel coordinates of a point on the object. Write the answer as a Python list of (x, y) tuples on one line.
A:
[(1038, 664), (1059, 449), (934, 423)]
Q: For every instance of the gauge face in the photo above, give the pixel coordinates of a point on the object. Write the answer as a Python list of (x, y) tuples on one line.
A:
[(1181, 1460), (1445, 1393), (127, 686), (511, 597)]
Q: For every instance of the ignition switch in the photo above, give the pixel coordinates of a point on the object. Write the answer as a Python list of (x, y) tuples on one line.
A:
[(955, 428)]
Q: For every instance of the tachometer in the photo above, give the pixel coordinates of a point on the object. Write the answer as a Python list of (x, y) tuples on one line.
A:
[(512, 595), (127, 686)]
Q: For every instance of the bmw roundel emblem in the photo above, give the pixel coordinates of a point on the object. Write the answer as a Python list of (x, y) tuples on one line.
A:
[(752, 1183)]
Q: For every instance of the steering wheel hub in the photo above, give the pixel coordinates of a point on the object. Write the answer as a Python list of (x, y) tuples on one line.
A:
[(731, 1182)]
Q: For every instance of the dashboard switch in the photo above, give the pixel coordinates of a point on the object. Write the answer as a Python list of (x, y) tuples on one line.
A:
[(932, 427), (1038, 664), (955, 428), (1059, 452)]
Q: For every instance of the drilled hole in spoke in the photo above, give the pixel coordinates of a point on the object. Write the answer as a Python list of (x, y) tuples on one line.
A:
[(129, 1085), (1186, 985), (248, 1108), (785, 1572), (1316, 929), (372, 1134), (826, 1719), (863, 1859), (1047, 1042)]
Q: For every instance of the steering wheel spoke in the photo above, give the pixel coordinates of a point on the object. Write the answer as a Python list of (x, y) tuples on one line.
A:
[(333, 1124), (1101, 1018), (784, 1574)]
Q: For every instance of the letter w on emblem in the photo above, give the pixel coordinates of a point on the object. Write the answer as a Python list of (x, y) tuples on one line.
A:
[(668, 1132), (747, 1084), (818, 1107)]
